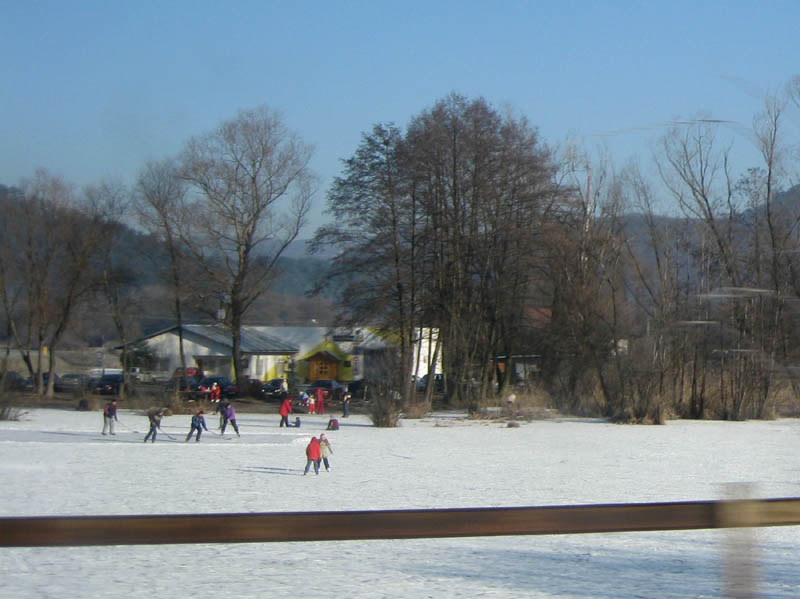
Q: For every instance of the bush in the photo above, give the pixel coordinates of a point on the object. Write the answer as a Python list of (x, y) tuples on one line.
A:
[(89, 402), (417, 408), (531, 404), (384, 414), (175, 404)]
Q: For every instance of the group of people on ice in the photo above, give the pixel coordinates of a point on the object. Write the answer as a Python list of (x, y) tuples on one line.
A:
[(227, 414), (318, 450)]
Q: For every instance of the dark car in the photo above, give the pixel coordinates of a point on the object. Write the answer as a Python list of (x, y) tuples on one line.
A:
[(358, 389), (227, 387), (332, 390), (109, 384), (45, 378), (272, 389), (438, 383), (13, 380), (73, 382), (181, 383)]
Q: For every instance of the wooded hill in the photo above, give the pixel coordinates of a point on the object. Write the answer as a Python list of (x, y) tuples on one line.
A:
[(288, 300)]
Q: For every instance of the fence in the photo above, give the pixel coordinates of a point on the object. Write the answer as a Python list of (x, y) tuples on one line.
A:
[(55, 531)]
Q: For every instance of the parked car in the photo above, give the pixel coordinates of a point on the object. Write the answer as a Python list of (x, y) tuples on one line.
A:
[(438, 383), (228, 388), (13, 381), (357, 389), (29, 385), (183, 384), (332, 389), (109, 384), (266, 391), (189, 371), (73, 382)]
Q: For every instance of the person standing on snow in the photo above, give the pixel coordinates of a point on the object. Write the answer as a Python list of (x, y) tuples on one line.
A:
[(345, 405), (229, 414), (110, 417), (154, 415), (198, 424), (325, 451), (284, 411), (313, 452), (319, 404)]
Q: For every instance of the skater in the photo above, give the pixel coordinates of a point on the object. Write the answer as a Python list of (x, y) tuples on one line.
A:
[(319, 403), (284, 388), (310, 404), (229, 416), (154, 415), (110, 417), (333, 424), (325, 451), (220, 409), (313, 452), (345, 405), (284, 411), (198, 424)]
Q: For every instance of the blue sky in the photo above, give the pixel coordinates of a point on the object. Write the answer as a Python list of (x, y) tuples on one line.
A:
[(92, 90)]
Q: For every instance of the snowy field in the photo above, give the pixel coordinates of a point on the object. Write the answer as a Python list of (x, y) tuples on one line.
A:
[(57, 463)]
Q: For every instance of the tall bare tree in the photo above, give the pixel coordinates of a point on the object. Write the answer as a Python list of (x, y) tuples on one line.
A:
[(250, 191), (160, 194), (375, 230), (60, 235)]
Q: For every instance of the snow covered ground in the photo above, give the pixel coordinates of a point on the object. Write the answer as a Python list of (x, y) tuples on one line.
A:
[(56, 462)]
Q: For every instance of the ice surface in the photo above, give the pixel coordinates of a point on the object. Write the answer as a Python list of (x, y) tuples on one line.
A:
[(57, 463)]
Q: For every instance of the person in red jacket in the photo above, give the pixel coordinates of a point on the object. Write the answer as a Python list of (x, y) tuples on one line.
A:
[(319, 404), (313, 455), (215, 393), (285, 410)]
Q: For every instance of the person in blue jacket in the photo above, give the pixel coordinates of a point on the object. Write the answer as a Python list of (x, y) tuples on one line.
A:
[(198, 424), (110, 417)]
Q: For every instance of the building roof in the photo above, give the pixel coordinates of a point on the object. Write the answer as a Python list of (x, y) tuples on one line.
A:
[(253, 341)]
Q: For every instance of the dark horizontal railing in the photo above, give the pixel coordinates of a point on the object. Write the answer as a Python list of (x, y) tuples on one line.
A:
[(52, 531)]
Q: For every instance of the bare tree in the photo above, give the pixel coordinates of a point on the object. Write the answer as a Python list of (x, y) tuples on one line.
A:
[(60, 236), (375, 230), (250, 191), (160, 194)]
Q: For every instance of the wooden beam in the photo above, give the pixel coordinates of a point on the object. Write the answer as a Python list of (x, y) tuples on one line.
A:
[(53, 531)]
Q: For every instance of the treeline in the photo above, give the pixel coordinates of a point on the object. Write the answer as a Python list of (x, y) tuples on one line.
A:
[(465, 222), (216, 220)]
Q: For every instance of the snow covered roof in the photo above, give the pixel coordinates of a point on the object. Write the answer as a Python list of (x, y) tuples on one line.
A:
[(254, 341)]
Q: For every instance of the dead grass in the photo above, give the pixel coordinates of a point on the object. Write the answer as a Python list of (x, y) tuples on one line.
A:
[(528, 405)]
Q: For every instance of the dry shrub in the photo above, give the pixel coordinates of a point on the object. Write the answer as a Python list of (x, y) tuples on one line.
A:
[(784, 401), (175, 404), (532, 403), (417, 408), (384, 413), (90, 402)]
